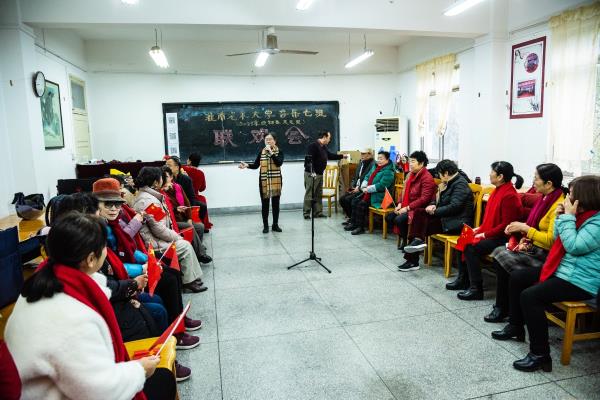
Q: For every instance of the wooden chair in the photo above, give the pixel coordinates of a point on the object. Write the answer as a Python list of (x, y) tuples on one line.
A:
[(331, 182), (167, 355), (572, 309), (449, 241), (398, 184)]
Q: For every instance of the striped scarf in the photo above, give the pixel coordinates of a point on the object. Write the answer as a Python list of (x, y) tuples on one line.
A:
[(270, 175)]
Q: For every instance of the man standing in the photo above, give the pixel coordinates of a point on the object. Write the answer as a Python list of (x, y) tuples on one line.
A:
[(366, 161), (318, 156)]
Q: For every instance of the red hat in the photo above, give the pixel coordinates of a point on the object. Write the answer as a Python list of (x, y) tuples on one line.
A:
[(107, 189)]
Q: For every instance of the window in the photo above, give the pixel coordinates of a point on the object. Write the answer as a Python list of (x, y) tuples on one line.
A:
[(443, 147), (593, 165), (78, 96)]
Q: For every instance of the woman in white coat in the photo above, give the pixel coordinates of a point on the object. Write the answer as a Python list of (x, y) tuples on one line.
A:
[(63, 333)]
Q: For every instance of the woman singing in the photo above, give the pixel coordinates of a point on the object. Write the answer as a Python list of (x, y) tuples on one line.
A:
[(269, 159)]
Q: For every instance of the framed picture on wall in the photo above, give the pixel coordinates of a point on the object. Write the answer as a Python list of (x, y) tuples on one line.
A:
[(52, 117), (527, 79)]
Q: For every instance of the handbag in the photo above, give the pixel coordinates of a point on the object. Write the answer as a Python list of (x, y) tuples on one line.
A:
[(29, 207)]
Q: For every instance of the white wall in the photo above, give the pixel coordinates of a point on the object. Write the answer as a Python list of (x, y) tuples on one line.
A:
[(136, 131), (31, 168)]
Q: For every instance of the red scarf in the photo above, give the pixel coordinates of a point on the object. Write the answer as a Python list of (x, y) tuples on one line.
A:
[(170, 211), (492, 209), (367, 196), (557, 251), (117, 265), (541, 207), (84, 289), (407, 185), (126, 245)]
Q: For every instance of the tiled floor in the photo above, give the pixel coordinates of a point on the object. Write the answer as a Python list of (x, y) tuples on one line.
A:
[(366, 331)]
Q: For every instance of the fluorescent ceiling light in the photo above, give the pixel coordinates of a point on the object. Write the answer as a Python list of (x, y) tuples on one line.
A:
[(261, 59), (304, 4), (460, 6), (159, 57), (130, 2), (359, 59)]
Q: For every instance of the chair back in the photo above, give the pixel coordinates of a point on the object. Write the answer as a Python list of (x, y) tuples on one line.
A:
[(331, 177), (11, 272), (483, 192), (399, 178)]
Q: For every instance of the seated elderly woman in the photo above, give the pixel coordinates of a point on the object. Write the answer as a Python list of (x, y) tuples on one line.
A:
[(178, 203), (530, 241), (503, 207), (63, 333), (452, 208), (571, 273), (373, 187), (419, 191), (161, 234)]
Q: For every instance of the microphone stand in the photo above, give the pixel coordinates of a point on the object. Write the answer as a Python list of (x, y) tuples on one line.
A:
[(313, 203)]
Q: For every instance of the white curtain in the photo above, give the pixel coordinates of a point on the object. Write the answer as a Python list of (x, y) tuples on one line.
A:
[(444, 72), (424, 88), (573, 56)]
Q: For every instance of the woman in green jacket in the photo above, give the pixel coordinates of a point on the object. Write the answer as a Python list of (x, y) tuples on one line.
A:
[(373, 186), (571, 271)]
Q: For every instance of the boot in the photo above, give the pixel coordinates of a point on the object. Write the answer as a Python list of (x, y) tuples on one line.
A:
[(462, 280), (474, 292)]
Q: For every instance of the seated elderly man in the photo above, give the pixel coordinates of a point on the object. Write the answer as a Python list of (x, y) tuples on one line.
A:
[(354, 192)]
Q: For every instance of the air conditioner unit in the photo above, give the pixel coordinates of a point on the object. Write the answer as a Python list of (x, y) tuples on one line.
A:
[(391, 131)]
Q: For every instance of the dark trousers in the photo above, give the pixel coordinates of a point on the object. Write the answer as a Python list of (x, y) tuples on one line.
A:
[(422, 225), (202, 205), (473, 254), (401, 221), (169, 290), (161, 385), (534, 301), (360, 209), (346, 202), (265, 210), (198, 234)]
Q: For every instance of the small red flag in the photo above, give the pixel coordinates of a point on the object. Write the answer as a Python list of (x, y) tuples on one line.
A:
[(196, 214), (172, 255), (187, 234), (467, 235), (157, 212), (387, 199), (177, 326), (154, 271)]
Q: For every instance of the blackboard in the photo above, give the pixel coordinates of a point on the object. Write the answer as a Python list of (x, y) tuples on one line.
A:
[(233, 132)]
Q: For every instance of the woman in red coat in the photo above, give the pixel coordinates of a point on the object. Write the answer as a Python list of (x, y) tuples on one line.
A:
[(503, 207), (419, 191)]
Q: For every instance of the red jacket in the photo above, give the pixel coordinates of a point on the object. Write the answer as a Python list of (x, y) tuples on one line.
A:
[(422, 190), (509, 209), (197, 177), (10, 382)]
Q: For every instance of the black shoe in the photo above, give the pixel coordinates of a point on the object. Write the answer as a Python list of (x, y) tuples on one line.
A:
[(349, 227), (472, 293), (358, 231), (534, 362), (409, 266), (346, 223), (266, 229), (205, 259), (415, 246), (510, 332), (321, 216), (460, 283), (194, 287), (306, 216), (276, 228), (497, 315)]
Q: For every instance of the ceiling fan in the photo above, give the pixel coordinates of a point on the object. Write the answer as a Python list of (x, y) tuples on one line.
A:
[(269, 47)]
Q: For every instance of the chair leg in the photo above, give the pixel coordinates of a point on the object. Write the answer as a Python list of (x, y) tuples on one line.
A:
[(384, 228), (429, 252), (336, 203), (370, 222), (565, 357), (447, 259)]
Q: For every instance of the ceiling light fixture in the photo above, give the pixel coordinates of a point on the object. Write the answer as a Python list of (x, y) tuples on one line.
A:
[(261, 59), (460, 6), (130, 2), (156, 52), (366, 54), (304, 4)]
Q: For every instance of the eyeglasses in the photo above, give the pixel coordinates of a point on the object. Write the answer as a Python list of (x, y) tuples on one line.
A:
[(113, 204)]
